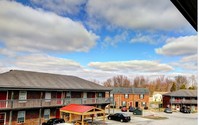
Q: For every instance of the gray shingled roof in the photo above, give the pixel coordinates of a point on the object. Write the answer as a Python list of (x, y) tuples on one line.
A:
[(182, 93), (37, 80), (130, 90)]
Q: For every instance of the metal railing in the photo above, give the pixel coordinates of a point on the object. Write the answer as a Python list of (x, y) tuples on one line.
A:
[(33, 103)]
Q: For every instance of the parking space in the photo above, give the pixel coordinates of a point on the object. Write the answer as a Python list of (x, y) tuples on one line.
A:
[(176, 118)]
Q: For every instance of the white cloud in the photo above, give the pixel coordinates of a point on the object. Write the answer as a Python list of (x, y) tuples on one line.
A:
[(113, 41), (60, 6), (148, 38), (186, 66), (190, 58), (136, 14), (7, 52), (131, 66), (49, 64), (101, 71), (42, 62), (187, 63), (25, 29), (179, 46)]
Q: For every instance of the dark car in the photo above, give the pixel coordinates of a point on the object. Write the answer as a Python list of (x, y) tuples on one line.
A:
[(53, 121), (146, 108), (119, 117), (168, 110), (185, 109), (124, 109)]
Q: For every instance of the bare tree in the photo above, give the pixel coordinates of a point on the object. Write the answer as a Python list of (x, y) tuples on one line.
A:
[(180, 80), (121, 81), (118, 81), (193, 81), (139, 81), (108, 83)]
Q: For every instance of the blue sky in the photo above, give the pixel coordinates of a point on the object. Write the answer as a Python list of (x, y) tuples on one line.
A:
[(96, 39)]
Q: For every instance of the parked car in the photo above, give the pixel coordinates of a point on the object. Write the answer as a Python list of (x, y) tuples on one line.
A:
[(124, 109), (168, 110), (54, 121), (185, 109), (119, 117), (146, 108), (131, 109)]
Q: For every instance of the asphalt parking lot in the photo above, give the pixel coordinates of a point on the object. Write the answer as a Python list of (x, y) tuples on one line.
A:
[(176, 118)]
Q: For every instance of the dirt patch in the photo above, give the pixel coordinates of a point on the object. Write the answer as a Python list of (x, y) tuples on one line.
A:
[(154, 117)]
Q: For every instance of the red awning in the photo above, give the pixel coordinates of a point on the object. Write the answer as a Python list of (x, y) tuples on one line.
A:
[(77, 108)]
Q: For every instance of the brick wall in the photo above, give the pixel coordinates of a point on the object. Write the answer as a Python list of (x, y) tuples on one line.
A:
[(131, 100)]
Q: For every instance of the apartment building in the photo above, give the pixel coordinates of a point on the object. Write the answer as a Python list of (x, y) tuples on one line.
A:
[(180, 98), (30, 98), (136, 97), (156, 99)]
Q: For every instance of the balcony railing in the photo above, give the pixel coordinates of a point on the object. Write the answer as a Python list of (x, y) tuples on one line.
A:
[(35, 103), (182, 101)]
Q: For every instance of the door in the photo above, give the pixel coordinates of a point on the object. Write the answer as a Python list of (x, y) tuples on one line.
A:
[(3, 97), (136, 104), (130, 103), (2, 118), (59, 98), (57, 113), (85, 98)]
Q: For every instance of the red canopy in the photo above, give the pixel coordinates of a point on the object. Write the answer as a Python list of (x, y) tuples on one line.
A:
[(77, 108), (82, 110)]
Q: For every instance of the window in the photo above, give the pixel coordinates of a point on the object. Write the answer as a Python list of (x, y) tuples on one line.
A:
[(21, 117), (141, 96), (68, 95), (46, 114), (143, 103), (47, 96), (123, 103), (22, 95), (126, 96), (100, 95)]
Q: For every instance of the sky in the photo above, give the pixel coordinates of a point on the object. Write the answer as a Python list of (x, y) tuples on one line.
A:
[(97, 39)]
